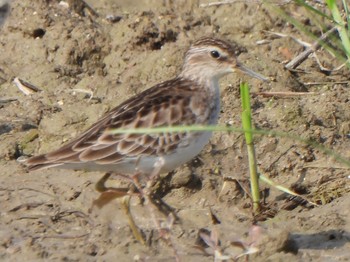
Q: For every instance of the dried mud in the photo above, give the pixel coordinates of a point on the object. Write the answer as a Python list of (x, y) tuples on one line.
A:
[(71, 54)]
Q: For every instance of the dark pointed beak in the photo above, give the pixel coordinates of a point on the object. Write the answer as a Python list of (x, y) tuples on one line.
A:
[(250, 72)]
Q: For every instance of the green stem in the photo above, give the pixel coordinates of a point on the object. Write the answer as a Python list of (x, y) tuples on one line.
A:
[(247, 125), (343, 33)]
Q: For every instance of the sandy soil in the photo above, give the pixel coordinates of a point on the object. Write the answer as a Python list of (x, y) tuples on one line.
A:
[(126, 49)]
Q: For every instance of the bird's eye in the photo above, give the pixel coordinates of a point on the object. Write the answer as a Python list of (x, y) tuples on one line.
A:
[(215, 54)]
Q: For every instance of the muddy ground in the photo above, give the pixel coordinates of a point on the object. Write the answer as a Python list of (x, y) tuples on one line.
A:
[(86, 64)]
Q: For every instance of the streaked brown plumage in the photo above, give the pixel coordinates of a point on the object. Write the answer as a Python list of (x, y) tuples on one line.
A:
[(192, 98)]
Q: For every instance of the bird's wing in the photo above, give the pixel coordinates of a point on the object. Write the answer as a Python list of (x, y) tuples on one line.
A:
[(171, 103)]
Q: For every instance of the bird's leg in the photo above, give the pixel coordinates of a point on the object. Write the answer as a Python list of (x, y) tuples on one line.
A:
[(153, 205), (108, 193), (135, 230), (146, 191), (100, 185), (164, 228), (154, 198)]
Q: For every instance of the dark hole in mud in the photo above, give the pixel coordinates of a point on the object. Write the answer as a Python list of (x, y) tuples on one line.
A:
[(194, 183), (156, 40), (28, 126), (18, 152), (39, 32), (300, 188), (196, 162), (331, 237), (145, 37), (5, 128), (289, 246), (156, 45)]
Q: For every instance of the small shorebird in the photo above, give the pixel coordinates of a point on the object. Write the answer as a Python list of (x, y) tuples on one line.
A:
[(191, 98)]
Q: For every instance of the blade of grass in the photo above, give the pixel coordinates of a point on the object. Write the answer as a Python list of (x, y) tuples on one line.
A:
[(197, 128), (312, 9), (302, 28), (346, 9), (272, 133), (317, 18), (268, 181), (341, 27), (247, 125)]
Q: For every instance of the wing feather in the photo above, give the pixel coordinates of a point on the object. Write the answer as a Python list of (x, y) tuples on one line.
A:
[(161, 105)]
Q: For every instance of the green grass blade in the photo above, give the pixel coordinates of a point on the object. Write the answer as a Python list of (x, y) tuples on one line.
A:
[(343, 33), (346, 9), (302, 28), (247, 125), (198, 128), (283, 189), (312, 9)]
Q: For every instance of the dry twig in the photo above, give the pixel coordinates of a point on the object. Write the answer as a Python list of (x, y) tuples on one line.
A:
[(25, 87), (283, 94), (311, 49)]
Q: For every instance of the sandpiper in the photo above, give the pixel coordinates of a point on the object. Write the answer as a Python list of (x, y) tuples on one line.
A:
[(191, 98)]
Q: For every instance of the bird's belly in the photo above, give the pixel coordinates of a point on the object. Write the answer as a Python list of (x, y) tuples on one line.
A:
[(186, 153), (183, 154)]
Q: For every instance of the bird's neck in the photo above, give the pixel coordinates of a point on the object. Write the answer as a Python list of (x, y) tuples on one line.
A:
[(209, 82)]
